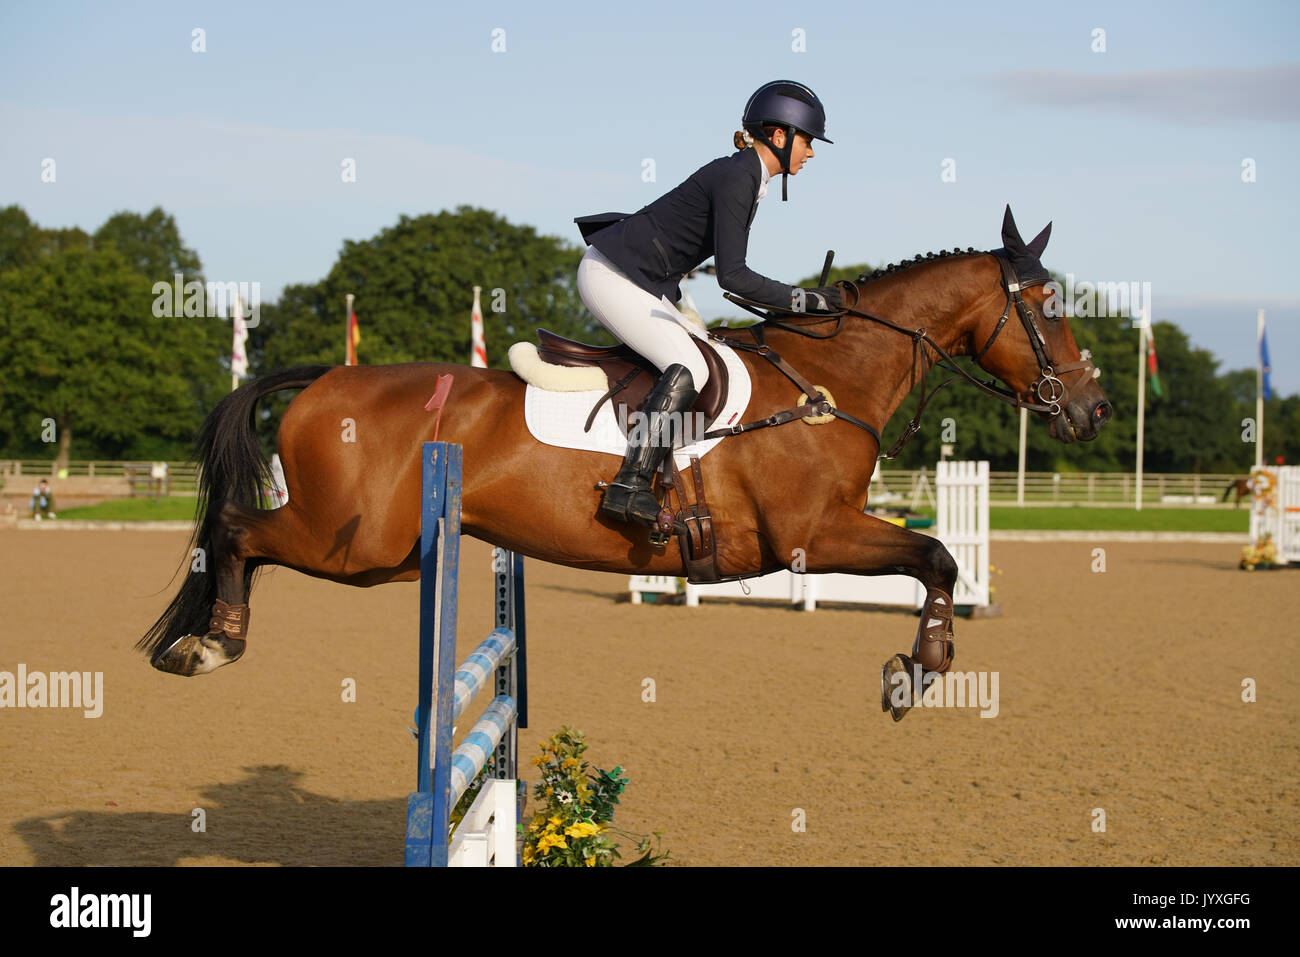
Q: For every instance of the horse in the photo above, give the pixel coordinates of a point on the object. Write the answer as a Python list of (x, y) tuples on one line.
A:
[(350, 446), (1242, 487)]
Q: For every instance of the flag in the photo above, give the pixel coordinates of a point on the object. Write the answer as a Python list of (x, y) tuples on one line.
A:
[(478, 350), (438, 400), (1151, 364), (1264, 369), (238, 356), (354, 339)]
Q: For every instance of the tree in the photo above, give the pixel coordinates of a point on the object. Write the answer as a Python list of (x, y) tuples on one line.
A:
[(414, 287), (151, 244), (84, 350)]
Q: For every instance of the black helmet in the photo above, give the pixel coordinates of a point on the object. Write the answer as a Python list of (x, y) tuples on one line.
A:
[(791, 106), (786, 103)]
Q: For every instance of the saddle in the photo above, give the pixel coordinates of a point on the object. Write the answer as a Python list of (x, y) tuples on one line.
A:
[(632, 377)]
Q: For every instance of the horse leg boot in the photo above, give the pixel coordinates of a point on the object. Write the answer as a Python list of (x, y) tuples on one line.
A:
[(654, 428), (227, 586), (932, 655)]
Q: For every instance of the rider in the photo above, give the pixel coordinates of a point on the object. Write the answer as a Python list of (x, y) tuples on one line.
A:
[(635, 260)]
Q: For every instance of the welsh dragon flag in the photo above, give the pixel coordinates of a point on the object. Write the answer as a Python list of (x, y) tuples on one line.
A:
[(1152, 372)]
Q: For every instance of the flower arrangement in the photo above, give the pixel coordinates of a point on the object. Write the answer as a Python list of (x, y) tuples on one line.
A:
[(1263, 555), (573, 825)]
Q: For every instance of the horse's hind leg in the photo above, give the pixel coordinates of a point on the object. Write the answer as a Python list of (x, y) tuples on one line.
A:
[(863, 545), (227, 560)]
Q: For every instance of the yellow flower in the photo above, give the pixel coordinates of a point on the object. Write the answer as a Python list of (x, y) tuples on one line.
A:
[(569, 763), (529, 856), (557, 820), (582, 829), (589, 862), (549, 841)]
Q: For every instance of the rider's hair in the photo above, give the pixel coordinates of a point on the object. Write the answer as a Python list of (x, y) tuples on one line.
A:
[(743, 140)]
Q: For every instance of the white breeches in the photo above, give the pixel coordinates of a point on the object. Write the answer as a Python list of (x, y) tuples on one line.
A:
[(636, 317)]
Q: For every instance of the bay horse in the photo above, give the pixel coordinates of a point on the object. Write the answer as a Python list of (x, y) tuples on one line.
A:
[(350, 446), (1242, 487)]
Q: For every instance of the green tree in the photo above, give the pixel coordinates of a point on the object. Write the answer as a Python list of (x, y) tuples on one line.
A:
[(150, 243), (414, 287), (85, 350)]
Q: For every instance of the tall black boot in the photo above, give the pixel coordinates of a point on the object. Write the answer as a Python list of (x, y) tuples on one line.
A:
[(655, 427)]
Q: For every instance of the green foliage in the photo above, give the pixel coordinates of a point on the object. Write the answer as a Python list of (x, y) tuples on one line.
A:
[(414, 287), (151, 244), (573, 826), (84, 349)]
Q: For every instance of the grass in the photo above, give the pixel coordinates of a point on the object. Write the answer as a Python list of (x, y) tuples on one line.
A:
[(175, 508), (1066, 518), (1077, 518)]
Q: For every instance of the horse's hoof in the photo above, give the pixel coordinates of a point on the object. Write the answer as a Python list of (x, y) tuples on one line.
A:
[(896, 686), (190, 655)]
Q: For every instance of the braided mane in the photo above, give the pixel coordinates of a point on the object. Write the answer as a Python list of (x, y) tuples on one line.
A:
[(893, 268)]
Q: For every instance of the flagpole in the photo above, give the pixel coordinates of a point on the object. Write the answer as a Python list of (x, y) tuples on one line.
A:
[(1259, 390), (1020, 476), (347, 332), (1142, 395)]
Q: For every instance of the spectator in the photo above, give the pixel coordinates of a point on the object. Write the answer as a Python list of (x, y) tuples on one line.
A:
[(42, 503)]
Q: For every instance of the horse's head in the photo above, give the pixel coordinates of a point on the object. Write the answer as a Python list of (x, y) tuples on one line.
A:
[(1031, 349)]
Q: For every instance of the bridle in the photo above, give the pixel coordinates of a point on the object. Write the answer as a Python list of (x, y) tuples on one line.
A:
[(1058, 393), (1047, 393)]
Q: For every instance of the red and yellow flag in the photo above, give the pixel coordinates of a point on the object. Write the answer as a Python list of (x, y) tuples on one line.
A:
[(354, 339)]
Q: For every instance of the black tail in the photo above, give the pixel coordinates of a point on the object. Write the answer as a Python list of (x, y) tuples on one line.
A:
[(232, 468)]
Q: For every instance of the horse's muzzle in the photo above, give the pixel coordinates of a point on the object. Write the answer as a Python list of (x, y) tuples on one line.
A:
[(1080, 421)]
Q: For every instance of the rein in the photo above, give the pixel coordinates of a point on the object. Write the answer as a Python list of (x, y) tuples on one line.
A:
[(1048, 390)]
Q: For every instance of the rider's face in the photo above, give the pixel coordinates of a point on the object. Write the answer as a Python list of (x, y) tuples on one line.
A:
[(801, 152)]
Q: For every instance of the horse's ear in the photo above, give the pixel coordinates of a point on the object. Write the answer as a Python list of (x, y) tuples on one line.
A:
[(1011, 240), (1039, 242)]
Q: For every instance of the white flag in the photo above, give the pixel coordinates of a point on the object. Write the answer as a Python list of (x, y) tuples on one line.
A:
[(478, 351), (238, 357)]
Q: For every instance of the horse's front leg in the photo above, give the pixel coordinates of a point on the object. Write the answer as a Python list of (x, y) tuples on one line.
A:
[(849, 541)]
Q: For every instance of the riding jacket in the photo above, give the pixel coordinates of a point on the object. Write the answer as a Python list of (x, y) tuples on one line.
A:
[(707, 215)]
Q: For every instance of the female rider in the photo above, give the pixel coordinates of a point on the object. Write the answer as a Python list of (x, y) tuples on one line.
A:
[(635, 260)]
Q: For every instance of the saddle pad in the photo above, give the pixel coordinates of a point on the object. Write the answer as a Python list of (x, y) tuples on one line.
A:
[(557, 418)]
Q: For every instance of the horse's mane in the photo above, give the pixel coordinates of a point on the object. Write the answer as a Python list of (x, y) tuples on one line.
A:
[(894, 268)]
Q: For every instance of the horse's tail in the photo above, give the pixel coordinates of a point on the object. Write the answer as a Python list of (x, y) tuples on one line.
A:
[(232, 469)]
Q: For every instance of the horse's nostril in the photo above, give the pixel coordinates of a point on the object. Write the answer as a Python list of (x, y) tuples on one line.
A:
[(1102, 413)]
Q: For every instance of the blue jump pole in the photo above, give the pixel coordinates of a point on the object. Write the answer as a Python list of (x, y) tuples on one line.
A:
[(429, 807)]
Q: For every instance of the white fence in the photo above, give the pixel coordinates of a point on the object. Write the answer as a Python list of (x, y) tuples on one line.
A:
[(1276, 509)]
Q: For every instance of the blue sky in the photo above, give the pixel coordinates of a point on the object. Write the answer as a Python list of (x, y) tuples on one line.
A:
[(1134, 153)]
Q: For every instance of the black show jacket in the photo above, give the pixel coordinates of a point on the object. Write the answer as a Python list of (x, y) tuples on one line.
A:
[(707, 215)]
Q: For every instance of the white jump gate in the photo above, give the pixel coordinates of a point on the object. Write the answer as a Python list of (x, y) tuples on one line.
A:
[(1275, 509), (962, 524)]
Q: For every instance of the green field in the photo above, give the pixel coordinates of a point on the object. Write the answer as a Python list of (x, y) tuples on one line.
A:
[(1075, 518), (1000, 516), (176, 508)]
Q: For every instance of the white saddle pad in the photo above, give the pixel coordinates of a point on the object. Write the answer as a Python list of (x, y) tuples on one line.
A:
[(557, 418)]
